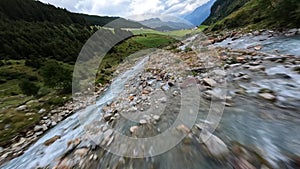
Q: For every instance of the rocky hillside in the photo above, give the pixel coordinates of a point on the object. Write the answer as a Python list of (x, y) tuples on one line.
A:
[(263, 14), (223, 8)]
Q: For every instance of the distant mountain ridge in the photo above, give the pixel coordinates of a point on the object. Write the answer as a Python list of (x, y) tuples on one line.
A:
[(158, 24), (200, 14)]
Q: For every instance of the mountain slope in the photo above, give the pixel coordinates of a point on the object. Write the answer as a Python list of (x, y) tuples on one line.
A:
[(36, 11), (263, 14), (223, 8), (200, 14)]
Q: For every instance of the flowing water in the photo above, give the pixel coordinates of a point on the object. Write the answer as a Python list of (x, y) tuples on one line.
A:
[(73, 127), (271, 128)]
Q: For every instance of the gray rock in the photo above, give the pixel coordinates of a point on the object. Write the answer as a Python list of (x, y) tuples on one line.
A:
[(156, 117), (53, 123), (38, 133), (163, 100), (214, 144), (107, 116), (143, 121), (42, 111), (37, 128), (210, 82), (133, 129), (44, 126), (267, 96), (257, 68), (7, 126), (175, 93), (21, 108)]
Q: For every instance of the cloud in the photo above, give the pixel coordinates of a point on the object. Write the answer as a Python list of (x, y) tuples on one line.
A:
[(127, 8)]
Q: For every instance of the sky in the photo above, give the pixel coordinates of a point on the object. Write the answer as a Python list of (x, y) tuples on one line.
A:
[(132, 9)]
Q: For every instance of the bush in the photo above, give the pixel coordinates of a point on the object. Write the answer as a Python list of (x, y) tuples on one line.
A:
[(57, 101), (28, 87), (56, 76), (34, 63)]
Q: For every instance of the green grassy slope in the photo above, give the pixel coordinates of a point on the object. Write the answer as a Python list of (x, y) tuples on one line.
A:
[(263, 14), (223, 8)]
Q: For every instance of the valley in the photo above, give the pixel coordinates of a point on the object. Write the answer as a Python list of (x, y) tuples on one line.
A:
[(166, 94)]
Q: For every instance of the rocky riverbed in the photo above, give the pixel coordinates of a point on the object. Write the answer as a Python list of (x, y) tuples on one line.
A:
[(246, 111)]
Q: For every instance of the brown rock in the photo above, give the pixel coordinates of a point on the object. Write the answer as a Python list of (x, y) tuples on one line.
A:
[(52, 140), (81, 152), (183, 128), (133, 129), (210, 82)]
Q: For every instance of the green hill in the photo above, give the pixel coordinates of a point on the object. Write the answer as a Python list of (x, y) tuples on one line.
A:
[(262, 14), (223, 8), (36, 11)]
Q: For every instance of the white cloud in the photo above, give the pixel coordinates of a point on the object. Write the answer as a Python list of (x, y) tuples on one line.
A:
[(127, 8)]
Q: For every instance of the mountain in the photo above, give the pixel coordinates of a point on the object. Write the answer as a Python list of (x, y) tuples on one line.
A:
[(33, 30), (200, 14), (258, 14), (36, 11), (158, 24), (223, 8)]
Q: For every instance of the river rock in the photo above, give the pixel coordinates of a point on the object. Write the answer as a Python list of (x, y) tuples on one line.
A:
[(163, 100), (133, 129), (210, 82), (52, 140), (175, 93), (107, 116), (258, 47), (53, 123), (214, 144), (42, 111), (19, 143), (257, 68), (44, 126), (37, 128), (81, 152), (143, 121), (73, 143), (292, 32), (21, 108), (240, 163), (183, 128), (156, 117), (64, 164), (267, 96)]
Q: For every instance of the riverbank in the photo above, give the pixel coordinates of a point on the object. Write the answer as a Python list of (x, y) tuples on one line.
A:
[(257, 129), (265, 105), (49, 120)]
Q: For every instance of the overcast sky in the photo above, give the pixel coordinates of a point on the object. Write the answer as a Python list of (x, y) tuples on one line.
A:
[(129, 8)]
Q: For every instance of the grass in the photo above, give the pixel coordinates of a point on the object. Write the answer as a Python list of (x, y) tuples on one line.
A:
[(13, 122), (175, 33), (128, 47), (258, 14)]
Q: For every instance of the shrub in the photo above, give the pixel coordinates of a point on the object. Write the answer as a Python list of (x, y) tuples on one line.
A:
[(56, 76), (28, 87)]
